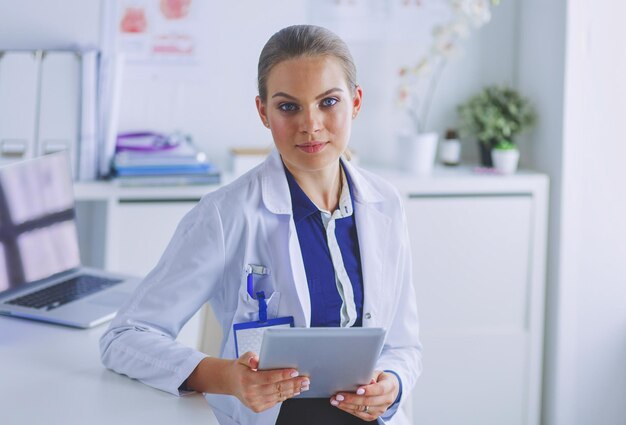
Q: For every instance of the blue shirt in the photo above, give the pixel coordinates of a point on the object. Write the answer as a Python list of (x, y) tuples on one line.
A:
[(321, 277), (326, 301)]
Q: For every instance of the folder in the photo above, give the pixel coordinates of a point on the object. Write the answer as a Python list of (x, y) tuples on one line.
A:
[(110, 90), (19, 78), (59, 105), (88, 141)]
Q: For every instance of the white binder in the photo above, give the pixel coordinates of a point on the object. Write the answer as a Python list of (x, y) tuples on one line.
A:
[(19, 79), (89, 133), (59, 105)]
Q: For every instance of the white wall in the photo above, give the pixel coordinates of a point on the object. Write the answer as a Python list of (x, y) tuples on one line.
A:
[(30, 24), (217, 105), (595, 194), (572, 59), (541, 65)]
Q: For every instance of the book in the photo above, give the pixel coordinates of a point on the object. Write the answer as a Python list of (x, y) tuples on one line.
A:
[(169, 180)]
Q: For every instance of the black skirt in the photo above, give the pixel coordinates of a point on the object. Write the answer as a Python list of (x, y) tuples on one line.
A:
[(314, 411)]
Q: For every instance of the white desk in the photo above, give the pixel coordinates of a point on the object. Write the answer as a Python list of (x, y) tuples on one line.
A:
[(52, 375)]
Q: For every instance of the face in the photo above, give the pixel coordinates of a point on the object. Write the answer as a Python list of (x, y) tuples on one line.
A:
[(309, 109)]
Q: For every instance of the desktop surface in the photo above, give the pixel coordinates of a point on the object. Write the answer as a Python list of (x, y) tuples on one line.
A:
[(53, 375)]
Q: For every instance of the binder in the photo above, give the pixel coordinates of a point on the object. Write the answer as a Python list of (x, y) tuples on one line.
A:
[(19, 82), (59, 105), (88, 141), (110, 89)]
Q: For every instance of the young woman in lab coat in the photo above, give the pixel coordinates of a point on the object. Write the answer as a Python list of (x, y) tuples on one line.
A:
[(306, 214)]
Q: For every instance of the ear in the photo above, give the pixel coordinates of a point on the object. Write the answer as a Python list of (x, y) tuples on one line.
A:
[(357, 101), (262, 110)]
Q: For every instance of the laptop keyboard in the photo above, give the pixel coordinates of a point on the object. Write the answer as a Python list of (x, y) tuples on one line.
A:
[(62, 293)]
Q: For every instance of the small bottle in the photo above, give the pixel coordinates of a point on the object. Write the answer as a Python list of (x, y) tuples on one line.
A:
[(450, 151)]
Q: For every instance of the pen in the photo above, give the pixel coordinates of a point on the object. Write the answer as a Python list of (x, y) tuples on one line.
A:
[(251, 270)]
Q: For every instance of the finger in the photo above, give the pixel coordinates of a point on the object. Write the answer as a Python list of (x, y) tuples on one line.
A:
[(352, 400), (377, 405), (249, 359), (371, 390), (375, 376), (371, 414), (276, 375), (290, 386)]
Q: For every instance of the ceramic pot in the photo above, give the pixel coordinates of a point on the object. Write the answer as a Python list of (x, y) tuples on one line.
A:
[(417, 153), (505, 160)]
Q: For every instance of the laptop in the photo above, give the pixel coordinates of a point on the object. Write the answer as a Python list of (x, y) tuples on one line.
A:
[(41, 276)]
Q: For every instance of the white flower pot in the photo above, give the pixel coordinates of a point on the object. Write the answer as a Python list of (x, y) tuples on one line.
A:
[(505, 160), (417, 152)]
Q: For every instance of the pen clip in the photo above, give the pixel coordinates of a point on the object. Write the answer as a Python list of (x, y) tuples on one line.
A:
[(257, 269), (251, 270)]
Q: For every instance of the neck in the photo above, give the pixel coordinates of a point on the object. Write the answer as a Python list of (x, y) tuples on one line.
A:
[(323, 187)]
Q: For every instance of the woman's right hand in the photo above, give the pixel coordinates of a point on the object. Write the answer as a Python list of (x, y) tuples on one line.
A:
[(261, 390)]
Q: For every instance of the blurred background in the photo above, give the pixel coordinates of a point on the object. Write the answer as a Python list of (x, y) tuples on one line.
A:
[(565, 58)]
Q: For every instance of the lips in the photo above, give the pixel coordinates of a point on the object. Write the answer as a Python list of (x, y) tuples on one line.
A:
[(311, 147)]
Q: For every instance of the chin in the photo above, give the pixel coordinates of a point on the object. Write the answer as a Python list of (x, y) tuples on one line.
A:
[(314, 162)]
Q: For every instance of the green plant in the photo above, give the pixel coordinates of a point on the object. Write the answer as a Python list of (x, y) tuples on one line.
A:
[(505, 145), (495, 115)]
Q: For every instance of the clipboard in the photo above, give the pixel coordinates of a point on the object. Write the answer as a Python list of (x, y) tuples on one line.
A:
[(335, 359)]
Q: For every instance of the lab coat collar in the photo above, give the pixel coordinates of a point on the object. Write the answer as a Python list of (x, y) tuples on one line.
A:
[(275, 189)]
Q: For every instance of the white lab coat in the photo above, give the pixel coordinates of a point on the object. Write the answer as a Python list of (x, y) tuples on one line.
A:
[(250, 222)]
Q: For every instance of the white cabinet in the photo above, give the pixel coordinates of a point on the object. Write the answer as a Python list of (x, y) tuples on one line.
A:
[(470, 262), (478, 245)]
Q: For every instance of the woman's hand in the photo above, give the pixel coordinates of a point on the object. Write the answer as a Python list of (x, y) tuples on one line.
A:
[(260, 390), (370, 401)]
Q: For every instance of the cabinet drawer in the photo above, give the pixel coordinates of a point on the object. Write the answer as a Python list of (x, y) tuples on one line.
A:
[(471, 272)]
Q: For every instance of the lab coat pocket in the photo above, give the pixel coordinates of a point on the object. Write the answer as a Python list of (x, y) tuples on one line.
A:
[(248, 307)]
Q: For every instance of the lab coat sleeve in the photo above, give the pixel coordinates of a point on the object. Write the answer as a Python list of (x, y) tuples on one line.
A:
[(140, 341), (402, 352)]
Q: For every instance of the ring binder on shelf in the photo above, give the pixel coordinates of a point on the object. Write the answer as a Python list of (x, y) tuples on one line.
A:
[(48, 103), (19, 78)]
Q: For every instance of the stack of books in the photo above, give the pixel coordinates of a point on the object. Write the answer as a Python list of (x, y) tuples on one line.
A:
[(180, 163)]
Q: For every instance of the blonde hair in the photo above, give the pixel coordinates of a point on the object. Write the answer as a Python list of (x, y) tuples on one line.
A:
[(303, 40)]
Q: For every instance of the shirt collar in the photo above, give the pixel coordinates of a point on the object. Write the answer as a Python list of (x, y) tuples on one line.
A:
[(275, 190), (303, 206)]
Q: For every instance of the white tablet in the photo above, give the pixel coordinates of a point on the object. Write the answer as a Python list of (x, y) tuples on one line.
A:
[(336, 359)]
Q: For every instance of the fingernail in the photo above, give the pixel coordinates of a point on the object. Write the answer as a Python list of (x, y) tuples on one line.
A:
[(360, 391), (334, 402), (340, 397), (305, 383), (296, 394), (295, 374), (304, 388)]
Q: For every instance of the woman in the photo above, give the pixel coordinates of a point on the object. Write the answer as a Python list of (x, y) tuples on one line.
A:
[(333, 236)]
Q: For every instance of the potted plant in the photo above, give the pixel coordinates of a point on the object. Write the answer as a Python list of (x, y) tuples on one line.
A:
[(418, 82), (494, 116), (505, 156)]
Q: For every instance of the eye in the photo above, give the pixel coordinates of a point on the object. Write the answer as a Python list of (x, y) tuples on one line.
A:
[(288, 107), (329, 101)]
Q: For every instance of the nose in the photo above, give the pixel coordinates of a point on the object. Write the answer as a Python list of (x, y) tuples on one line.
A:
[(311, 121)]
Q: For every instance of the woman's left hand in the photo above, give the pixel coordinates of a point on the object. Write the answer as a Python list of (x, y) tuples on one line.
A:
[(370, 401)]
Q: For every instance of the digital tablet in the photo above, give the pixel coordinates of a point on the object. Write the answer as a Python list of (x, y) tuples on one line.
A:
[(335, 359)]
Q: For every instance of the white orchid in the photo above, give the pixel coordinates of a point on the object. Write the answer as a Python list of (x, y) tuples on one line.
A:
[(418, 82), (478, 12)]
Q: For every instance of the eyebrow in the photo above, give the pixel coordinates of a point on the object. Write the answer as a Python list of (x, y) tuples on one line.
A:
[(326, 93)]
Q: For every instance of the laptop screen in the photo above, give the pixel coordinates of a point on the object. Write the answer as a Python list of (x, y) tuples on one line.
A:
[(38, 236)]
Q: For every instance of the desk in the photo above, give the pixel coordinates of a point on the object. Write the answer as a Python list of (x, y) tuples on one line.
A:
[(52, 375)]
